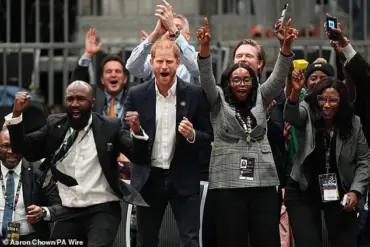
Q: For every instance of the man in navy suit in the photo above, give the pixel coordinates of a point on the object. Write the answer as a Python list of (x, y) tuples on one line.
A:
[(175, 116)]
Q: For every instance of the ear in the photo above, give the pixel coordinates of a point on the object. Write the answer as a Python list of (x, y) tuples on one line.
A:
[(177, 62), (93, 102), (151, 61), (261, 63), (125, 78), (187, 35), (101, 80)]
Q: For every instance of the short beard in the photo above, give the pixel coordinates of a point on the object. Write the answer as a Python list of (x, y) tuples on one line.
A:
[(79, 124)]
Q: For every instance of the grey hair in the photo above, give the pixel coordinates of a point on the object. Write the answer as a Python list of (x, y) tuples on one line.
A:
[(183, 18)]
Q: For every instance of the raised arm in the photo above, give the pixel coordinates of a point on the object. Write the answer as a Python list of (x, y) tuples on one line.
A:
[(276, 81), (138, 63), (188, 56), (295, 113), (81, 71), (207, 79), (31, 145)]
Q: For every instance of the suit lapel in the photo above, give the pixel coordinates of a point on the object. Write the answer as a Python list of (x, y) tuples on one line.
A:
[(149, 110), (338, 147), (100, 100), (182, 101), (97, 129), (27, 182)]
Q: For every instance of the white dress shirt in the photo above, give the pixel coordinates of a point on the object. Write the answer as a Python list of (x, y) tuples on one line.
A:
[(165, 135), (81, 162), (19, 216)]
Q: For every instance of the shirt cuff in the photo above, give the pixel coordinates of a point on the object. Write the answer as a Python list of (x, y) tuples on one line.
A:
[(12, 121), (143, 137), (193, 138), (349, 52), (84, 61), (48, 216), (181, 43)]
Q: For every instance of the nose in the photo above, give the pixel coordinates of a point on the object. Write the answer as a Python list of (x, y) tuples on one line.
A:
[(164, 66), (327, 105), (75, 103)]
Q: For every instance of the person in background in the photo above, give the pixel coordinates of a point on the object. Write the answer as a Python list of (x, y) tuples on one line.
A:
[(245, 196), (25, 204), (173, 27), (114, 76), (35, 207), (56, 109), (331, 169), (314, 73)]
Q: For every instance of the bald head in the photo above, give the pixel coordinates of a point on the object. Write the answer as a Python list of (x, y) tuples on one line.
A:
[(8, 158), (4, 134), (80, 86)]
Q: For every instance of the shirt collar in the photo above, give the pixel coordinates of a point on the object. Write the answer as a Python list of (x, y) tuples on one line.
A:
[(118, 96), (17, 170), (171, 91)]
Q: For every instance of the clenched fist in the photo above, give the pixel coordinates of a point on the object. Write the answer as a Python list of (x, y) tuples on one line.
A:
[(20, 103), (186, 129), (132, 119)]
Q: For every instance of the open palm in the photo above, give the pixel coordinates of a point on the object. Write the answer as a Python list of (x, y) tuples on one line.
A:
[(91, 47)]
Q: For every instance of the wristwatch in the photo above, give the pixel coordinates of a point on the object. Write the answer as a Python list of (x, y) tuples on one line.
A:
[(175, 35), (44, 213)]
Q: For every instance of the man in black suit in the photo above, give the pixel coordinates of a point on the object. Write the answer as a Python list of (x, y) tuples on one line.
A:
[(35, 206), (81, 151), (175, 116)]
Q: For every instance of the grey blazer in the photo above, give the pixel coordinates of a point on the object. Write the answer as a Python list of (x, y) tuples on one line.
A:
[(229, 137), (352, 155)]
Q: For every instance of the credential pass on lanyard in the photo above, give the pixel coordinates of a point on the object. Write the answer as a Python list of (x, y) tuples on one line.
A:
[(327, 151)]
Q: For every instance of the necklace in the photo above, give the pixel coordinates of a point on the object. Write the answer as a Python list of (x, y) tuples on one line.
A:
[(246, 125)]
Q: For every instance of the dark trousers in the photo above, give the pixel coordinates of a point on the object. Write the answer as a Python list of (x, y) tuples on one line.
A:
[(304, 211), (95, 225), (240, 216), (158, 192)]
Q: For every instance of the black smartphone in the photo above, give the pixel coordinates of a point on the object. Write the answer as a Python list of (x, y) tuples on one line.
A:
[(332, 23)]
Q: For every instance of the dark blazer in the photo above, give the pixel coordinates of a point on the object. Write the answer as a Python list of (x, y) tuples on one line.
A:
[(359, 71), (33, 194), (191, 103), (44, 143)]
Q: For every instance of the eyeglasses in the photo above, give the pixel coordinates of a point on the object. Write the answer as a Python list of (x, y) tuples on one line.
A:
[(238, 81), (333, 101)]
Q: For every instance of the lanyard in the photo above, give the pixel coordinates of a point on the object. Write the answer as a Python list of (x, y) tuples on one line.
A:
[(247, 126), (65, 155), (16, 193), (327, 150)]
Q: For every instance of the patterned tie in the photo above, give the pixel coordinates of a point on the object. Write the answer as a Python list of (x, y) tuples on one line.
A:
[(8, 207), (111, 112)]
